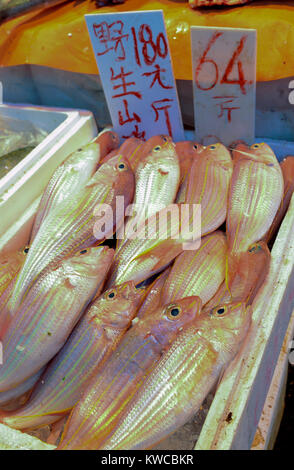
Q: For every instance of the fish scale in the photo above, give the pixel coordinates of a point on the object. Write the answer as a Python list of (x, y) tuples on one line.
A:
[(48, 314), (71, 227), (180, 381), (107, 394), (94, 338)]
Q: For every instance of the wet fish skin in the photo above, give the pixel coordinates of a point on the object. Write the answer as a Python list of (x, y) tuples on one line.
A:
[(47, 315), (187, 151), (255, 195), (180, 381), (154, 245), (128, 149), (73, 225), (157, 177), (69, 178), (198, 272), (153, 295), (208, 185), (10, 264), (287, 167), (92, 341), (252, 270), (108, 394), (16, 397), (108, 141)]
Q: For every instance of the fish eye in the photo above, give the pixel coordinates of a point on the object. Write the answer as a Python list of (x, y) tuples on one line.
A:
[(164, 138), (26, 250), (113, 136), (83, 252), (212, 147), (80, 149), (111, 294), (254, 248), (195, 146), (122, 166), (174, 311), (256, 146), (157, 148), (220, 310)]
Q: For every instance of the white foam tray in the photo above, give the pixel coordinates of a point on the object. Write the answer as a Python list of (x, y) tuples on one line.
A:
[(22, 187)]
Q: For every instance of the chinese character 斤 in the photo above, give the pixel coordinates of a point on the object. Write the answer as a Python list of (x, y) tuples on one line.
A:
[(111, 37), (163, 105), (225, 100)]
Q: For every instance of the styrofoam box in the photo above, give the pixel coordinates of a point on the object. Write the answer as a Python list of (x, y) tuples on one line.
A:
[(233, 418), (22, 187)]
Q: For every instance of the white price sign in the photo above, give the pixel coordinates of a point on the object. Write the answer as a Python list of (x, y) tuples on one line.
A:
[(132, 54), (224, 84)]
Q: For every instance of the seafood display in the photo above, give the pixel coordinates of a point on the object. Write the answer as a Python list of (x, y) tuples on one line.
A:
[(115, 325)]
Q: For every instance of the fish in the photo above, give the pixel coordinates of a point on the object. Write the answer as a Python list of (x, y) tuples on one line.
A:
[(153, 295), (47, 315), (255, 194), (155, 243), (72, 175), (213, 3), (198, 272), (108, 393), (208, 185), (108, 141), (287, 167), (10, 264), (251, 273), (175, 389), (17, 396), (187, 151), (69, 177), (77, 223), (157, 177), (92, 341), (128, 149)]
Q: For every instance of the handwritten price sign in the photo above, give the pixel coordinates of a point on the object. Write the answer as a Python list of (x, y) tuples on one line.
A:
[(224, 83), (132, 54)]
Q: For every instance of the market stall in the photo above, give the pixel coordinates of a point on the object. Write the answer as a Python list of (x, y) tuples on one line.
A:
[(200, 360)]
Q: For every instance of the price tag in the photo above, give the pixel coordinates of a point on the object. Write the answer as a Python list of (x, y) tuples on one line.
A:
[(132, 54), (224, 84)]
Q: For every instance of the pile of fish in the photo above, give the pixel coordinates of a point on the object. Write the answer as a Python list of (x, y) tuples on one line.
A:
[(115, 337)]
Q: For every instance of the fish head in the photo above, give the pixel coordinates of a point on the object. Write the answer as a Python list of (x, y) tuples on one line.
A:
[(259, 152), (187, 150), (91, 262), (225, 326), (166, 321), (249, 265), (163, 158), (117, 306), (219, 154), (108, 140), (118, 170)]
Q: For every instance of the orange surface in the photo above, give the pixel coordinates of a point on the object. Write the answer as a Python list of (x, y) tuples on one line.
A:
[(57, 37)]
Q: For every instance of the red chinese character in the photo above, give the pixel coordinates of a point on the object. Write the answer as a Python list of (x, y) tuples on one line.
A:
[(111, 37), (227, 109), (156, 107), (136, 133), (157, 77), (124, 84), (123, 121)]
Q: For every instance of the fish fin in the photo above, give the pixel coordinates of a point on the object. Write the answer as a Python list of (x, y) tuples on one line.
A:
[(162, 254), (56, 430)]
